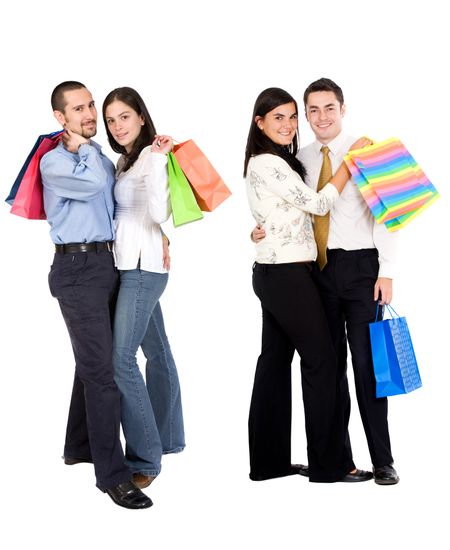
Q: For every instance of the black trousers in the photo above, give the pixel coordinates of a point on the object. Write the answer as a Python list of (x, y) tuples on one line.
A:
[(346, 287), (85, 285), (293, 319)]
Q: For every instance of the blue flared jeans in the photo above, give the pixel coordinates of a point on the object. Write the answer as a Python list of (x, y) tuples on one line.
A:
[(151, 411)]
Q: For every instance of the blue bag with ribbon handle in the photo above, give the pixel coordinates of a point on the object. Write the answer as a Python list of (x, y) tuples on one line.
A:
[(394, 360)]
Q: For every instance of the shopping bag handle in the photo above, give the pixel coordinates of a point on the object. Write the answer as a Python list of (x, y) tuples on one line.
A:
[(390, 309)]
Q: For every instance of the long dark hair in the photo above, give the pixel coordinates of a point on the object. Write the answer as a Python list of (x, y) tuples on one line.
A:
[(258, 143), (130, 97)]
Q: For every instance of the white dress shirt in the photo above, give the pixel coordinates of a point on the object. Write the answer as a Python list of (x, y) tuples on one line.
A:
[(352, 225), (281, 202), (142, 197)]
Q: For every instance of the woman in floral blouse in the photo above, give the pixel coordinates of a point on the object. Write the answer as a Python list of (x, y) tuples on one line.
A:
[(293, 318)]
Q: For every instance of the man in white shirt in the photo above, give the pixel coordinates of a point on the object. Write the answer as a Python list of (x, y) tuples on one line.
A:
[(359, 271)]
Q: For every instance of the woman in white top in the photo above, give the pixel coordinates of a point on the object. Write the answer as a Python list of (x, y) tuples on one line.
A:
[(293, 318), (151, 411)]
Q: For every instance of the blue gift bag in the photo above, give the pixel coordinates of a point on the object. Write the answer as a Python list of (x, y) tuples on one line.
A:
[(394, 360)]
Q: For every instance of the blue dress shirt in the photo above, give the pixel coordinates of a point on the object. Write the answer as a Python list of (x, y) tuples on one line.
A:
[(78, 194)]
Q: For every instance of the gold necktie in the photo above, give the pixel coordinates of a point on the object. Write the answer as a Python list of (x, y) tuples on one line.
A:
[(322, 223)]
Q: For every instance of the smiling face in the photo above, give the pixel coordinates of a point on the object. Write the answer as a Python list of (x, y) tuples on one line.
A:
[(80, 114), (280, 124), (324, 114), (124, 123)]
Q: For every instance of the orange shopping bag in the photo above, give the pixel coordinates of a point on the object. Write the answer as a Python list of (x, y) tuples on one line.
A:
[(209, 188)]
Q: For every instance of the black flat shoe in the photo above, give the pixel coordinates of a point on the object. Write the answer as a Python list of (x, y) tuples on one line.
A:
[(359, 475), (129, 496), (301, 469), (72, 461), (385, 475), (294, 469)]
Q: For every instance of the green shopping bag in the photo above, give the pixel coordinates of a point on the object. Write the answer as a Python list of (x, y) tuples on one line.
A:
[(184, 206)]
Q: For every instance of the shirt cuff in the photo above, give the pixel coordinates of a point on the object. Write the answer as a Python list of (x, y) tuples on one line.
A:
[(83, 150), (159, 158), (164, 236), (330, 192), (387, 269)]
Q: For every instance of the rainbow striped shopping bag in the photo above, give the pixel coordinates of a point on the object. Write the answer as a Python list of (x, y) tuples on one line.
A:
[(391, 182)]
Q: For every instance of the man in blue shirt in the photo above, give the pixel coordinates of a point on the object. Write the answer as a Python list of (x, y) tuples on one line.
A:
[(78, 199)]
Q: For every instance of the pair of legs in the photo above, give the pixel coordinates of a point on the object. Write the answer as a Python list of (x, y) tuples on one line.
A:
[(293, 319), (346, 287), (85, 285), (151, 410)]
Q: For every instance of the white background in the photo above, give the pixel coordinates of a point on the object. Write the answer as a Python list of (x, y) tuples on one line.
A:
[(199, 66)]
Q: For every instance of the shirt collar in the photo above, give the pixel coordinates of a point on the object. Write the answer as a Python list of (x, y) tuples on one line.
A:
[(92, 142), (334, 145), (96, 145)]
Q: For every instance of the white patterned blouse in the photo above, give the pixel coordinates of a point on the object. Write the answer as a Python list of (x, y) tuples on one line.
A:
[(282, 203)]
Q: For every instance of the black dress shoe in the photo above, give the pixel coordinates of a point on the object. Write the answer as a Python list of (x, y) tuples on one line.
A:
[(385, 475), (359, 475), (72, 461), (301, 469), (126, 494)]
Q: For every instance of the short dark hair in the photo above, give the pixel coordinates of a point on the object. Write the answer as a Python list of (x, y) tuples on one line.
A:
[(258, 143), (57, 99), (130, 97), (324, 85)]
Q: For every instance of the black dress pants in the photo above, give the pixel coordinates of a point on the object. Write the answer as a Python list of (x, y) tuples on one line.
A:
[(293, 319), (85, 284), (346, 287)]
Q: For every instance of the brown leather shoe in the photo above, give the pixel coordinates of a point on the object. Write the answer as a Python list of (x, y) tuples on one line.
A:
[(142, 481)]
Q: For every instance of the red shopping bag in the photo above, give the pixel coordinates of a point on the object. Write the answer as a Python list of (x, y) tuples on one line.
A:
[(28, 201), (209, 188)]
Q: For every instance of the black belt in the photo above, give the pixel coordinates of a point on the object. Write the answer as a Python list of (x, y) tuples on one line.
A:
[(73, 248), (264, 268), (364, 252)]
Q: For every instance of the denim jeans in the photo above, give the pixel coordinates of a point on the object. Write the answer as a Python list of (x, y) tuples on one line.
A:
[(151, 411)]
